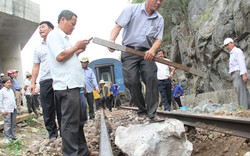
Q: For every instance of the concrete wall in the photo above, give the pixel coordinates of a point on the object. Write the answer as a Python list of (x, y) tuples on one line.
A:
[(18, 21)]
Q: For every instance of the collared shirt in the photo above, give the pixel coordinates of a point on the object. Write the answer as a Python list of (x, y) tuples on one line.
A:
[(162, 71), (7, 100), (27, 83), (66, 74), (138, 26), (40, 57), (16, 85), (237, 61), (90, 79)]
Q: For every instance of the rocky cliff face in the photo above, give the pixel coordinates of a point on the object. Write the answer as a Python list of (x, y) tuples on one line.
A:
[(197, 40)]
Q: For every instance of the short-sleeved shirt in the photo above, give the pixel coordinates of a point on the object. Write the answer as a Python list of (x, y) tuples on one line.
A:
[(40, 57), (67, 74), (138, 26), (162, 71), (27, 83)]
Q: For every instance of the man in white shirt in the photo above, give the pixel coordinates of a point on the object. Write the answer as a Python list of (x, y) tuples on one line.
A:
[(8, 110), (66, 72), (164, 81), (41, 66), (238, 70), (28, 95)]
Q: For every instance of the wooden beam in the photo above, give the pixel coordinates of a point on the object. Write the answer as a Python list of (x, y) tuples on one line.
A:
[(19, 119), (140, 53)]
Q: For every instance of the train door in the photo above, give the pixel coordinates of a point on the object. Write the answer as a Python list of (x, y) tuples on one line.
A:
[(105, 72)]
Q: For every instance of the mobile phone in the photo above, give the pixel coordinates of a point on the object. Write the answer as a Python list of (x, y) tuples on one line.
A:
[(90, 39)]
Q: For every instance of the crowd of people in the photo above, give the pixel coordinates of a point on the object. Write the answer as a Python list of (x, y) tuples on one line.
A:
[(11, 101), (68, 86)]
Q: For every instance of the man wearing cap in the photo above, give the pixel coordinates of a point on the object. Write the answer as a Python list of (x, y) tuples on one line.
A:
[(28, 95), (90, 83), (238, 70), (18, 89), (105, 95), (10, 74)]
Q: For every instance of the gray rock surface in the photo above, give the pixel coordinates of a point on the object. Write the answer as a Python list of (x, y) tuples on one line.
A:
[(197, 40)]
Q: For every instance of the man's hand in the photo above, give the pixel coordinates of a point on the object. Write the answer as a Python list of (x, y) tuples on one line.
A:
[(149, 55), (81, 45), (5, 113), (110, 49), (244, 78), (32, 88)]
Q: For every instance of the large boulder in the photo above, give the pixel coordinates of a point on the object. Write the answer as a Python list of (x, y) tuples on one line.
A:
[(158, 139)]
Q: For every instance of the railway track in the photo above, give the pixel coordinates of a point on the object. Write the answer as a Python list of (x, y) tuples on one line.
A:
[(236, 126), (231, 125)]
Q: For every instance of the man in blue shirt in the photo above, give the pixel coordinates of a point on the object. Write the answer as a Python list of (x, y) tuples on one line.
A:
[(90, 83), (114, 89), (142, 30), (177, 92), (18, 89)]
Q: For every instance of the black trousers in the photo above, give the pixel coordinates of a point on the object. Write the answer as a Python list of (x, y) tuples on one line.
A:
[(30, 104), (50, 108), (166, 93), (90, 101), (73, 138), (136, 69), (178, 100)]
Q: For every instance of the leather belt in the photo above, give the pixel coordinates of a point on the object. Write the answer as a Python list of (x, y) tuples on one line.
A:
[(234, 72), (18, 90), (138, 48)]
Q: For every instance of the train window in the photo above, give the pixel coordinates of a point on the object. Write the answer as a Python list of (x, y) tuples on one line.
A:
[(106, 76)]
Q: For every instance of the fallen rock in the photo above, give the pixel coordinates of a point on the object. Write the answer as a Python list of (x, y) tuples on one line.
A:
[(158, 139)]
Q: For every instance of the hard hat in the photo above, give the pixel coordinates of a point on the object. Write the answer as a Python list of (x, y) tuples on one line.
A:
[(10, 71)]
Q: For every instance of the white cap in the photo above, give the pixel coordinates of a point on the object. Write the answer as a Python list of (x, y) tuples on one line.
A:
[(228, 40), (2, 74), (85, 59), (102, 81)]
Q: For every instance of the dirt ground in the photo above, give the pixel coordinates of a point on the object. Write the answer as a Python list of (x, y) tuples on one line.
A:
[(205, 143)]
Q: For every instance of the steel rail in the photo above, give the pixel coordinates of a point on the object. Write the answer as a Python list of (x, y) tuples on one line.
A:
[(105, 146), (236, 126)]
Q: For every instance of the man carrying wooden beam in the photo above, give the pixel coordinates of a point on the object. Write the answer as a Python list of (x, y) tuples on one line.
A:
[(143, 31)]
